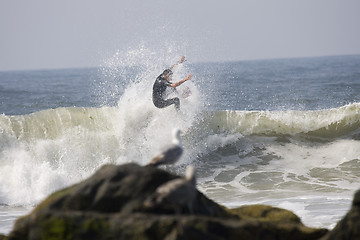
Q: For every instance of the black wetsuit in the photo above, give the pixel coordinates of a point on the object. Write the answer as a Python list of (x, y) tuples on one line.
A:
[(159, 94)]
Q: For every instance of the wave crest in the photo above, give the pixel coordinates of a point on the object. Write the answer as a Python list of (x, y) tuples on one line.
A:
[(335, 122)]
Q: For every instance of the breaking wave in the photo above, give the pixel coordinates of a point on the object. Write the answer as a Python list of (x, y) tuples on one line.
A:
[(47, 150), (329, 123)]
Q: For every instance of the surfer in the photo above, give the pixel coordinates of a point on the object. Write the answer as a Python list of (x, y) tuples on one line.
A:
[(162, 82)]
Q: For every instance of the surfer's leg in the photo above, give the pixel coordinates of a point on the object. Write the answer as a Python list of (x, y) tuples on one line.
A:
[(168, 102), (175, 101)]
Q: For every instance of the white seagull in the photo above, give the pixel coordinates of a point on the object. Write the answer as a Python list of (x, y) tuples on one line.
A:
[(171, 153)]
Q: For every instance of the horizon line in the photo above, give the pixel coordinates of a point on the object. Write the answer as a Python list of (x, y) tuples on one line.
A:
[(196, 62)]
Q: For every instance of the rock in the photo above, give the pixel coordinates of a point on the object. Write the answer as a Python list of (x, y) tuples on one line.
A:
[(266, 214), (120, 189), (349, 226), (110, 205), (62, 225)]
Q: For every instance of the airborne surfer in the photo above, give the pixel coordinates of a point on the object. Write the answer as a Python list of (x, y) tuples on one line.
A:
[(162, 82)]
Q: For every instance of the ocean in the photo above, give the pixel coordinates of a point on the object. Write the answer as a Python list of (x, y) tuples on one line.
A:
[(282, 132)]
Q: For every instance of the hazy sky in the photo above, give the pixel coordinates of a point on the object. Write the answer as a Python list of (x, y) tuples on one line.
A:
[(39, 34)]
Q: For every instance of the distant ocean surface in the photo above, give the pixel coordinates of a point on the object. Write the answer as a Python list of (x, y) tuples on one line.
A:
[(280, 132)]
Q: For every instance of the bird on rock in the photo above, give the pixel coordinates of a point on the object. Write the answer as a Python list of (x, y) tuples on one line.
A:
[(170, 153), (177, 193)]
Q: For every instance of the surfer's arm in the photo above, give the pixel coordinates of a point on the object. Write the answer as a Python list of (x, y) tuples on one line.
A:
[(174, 85), (182, 59)]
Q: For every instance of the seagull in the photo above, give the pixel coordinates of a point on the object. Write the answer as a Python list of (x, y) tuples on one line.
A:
[(171, 153), (177, 193)]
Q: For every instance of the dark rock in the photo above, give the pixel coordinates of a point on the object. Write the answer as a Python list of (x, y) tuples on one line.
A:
[(62, 225), (121, 189), (110, 205), (349, 226)]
